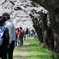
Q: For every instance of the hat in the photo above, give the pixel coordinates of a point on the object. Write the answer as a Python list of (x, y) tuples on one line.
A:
[(5, 15)]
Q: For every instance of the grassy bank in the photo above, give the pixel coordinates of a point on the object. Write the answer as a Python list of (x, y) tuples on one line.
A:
[(32, 49)]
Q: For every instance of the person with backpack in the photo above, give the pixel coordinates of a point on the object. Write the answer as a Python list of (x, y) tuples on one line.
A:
[(20, 36), (9, 24), (4, 39)]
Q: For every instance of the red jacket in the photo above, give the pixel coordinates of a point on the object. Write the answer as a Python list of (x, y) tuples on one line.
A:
[(20, 34)]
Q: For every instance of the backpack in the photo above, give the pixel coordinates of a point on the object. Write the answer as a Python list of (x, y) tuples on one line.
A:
[(21, 34), (2, 29)]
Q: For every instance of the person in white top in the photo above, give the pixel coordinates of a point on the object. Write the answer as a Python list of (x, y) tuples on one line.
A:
[(9, 24)]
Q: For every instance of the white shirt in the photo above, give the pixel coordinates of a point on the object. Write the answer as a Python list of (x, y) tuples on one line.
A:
[(9, 24)]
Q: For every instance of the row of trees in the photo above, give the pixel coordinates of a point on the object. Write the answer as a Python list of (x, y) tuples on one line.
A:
[(48, 33)]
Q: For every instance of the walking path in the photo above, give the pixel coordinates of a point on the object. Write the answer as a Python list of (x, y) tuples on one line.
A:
[(21, 52), (32, 49)]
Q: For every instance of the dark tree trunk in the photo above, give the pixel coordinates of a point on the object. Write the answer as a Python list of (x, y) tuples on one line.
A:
[(53, 31), (44, 29)]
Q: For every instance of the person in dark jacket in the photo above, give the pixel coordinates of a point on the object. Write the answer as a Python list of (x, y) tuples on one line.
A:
[(5, 43), (9, 24), (26, 33)]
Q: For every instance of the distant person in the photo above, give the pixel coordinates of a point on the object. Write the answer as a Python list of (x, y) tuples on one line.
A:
[(33, 33), (9, 24), (26, 34), (4, 39), (21, 36), (16, 31), (18, 37)]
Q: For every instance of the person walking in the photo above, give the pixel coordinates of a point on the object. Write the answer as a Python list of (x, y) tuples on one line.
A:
[(16, 31), (18, 37), (26, 33), (4, 39), (9, 24), (21, 36)]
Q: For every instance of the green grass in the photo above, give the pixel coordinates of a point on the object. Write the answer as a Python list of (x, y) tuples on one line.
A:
[(32, 49)]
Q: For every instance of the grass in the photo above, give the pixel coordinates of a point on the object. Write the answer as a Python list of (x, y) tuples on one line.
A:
[(32, 49)]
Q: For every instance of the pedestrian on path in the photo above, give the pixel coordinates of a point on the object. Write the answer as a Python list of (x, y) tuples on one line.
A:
[(18, 37), (9, 24), (21, 36), (26, 34), (4, 39), (16, 31)]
